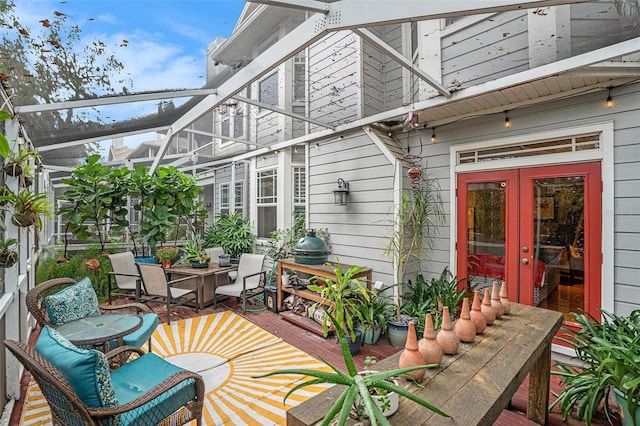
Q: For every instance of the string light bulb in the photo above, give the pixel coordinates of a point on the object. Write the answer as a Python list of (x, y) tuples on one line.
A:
[(609, 98), (433, 135), (507, 123)]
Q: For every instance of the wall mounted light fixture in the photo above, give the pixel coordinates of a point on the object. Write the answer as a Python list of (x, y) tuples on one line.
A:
[(340, 193)]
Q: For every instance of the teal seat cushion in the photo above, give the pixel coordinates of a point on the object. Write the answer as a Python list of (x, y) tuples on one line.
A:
[(86, 370), (137, 377), (141, 335), (74, 302)]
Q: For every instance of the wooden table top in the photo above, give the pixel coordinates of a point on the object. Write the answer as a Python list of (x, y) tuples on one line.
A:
[(473, 386)]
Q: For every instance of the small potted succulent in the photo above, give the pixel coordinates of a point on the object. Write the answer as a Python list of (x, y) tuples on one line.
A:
[(194, 253), (167, 255)]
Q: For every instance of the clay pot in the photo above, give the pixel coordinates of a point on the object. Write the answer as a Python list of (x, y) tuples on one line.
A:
[(465, 329), (487, 309), (428, 345), (447, 337), (495, 300), (411, 356), (477, 317), (504, 298)]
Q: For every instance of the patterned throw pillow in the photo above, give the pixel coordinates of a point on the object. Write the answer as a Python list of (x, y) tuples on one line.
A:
[(74, 302), (86, 370)]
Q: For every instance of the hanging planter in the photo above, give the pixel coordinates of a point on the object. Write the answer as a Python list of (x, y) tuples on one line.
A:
[(8, 256), (28, 207), (16, 162)]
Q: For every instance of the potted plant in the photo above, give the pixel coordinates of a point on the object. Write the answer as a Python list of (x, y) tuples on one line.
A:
[(232, 232), (167, 255), (194, 253), (29, 207), (8, 256), (15, 161), (387, 401), (415, 220), (356, 385), (341, 298), (608, 355), (372, 317)]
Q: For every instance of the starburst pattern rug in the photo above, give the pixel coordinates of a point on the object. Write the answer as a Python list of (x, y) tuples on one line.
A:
[(227, 350)]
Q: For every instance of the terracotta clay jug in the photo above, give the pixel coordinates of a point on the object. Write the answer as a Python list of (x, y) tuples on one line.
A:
[(410, 356), (428, 346), (477, 317), (447, 337), (495, 300), (504, 298), (487, 309), (465, 329)]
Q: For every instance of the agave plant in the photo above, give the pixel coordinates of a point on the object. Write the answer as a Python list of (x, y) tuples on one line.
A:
[(357, 385)]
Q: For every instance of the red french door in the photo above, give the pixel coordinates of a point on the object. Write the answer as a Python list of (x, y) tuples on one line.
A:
[(538, 229)]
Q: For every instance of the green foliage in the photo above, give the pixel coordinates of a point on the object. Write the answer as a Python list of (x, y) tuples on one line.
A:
[(374, 312), (609, 356), (193, 250), (231, 231), (355, 384), (28, 208), (343, 295), (414, 222), (4, 143), (77, 269), (282, 241), (97, 200)]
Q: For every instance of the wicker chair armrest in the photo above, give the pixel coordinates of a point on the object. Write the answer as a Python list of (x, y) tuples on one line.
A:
[(139, 307), (155, 392), (121, 350)]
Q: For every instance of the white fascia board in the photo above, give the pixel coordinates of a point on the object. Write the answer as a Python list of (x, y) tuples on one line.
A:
[(111, 100), (399, 58), (282, 111), (309, 5), (559, 67), (299, 38), (224, 138), (350, 14)]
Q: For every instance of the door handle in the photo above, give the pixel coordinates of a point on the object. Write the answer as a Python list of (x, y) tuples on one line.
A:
[(525, 261)]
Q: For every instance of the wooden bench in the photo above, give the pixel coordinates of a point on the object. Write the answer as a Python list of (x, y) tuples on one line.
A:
[(476, 384)]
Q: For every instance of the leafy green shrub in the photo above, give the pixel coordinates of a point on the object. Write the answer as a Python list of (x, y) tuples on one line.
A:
[(231, 231), (77, 269)]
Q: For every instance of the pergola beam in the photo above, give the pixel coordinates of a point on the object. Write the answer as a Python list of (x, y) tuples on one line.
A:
[(282, 111), (308, 5), (402, 60)]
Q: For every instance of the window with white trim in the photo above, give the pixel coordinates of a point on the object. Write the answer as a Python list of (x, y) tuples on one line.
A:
[(239, 197), (299, 175), (299, 76), (223, 204), (267, 202), (268, 89)]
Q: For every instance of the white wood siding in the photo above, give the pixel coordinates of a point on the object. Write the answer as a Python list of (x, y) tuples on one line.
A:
[(357, 231), (334, 94), (578, 111)]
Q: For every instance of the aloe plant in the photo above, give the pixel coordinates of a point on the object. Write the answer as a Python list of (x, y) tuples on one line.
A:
[(356, 385)]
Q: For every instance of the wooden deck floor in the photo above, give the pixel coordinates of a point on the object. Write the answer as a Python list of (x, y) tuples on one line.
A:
[(329, 350)]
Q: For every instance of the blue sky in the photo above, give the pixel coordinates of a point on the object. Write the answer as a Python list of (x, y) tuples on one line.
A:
[(166, 39)]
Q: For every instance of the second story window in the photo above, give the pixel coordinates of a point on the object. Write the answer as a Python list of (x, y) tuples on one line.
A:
[(268, 89), (239, 197), (299, 76), (224, 198)]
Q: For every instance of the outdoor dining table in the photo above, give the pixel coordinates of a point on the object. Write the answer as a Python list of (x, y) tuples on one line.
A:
[(477, 383), (207, 279), (99, 330)]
